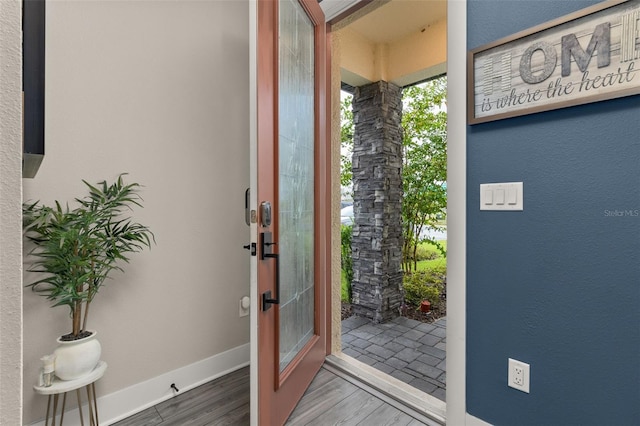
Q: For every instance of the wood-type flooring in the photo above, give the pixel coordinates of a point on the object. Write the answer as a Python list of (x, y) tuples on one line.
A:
[(329, 400)]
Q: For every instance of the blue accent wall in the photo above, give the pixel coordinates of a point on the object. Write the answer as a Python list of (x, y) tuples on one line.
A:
[(558, 284)]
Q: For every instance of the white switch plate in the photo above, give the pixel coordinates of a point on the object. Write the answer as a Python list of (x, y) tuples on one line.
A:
[(501, 196)]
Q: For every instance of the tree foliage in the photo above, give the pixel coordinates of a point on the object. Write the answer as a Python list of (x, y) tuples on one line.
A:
[(347, 129), (424, 174)]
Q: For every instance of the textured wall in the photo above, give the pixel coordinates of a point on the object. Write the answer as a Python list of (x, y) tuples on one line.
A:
[(377, 198), (10, 212), (158, 90), (557, 285)]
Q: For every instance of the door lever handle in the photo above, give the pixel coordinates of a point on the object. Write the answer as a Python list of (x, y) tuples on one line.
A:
[(266, 253), (267, 300)]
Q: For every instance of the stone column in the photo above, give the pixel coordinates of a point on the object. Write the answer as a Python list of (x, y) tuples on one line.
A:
[(377, 197)]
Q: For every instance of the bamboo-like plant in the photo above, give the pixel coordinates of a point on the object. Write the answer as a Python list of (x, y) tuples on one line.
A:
[(78, 248)]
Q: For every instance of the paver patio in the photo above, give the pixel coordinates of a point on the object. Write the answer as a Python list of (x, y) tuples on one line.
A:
[(409, 350)]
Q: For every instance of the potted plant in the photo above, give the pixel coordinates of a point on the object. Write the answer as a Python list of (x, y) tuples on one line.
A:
[(76, 250)]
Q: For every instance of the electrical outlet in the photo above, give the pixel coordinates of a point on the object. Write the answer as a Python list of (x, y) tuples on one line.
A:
[(518, 375)]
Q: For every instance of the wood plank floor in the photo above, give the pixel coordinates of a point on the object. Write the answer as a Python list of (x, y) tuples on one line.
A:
[(330, 400), (224, 401)]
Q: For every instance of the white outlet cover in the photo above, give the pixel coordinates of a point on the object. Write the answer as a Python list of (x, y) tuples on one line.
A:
[(513, 380)]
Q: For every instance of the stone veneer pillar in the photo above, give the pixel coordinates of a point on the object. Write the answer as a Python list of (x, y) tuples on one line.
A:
[(377, 197)]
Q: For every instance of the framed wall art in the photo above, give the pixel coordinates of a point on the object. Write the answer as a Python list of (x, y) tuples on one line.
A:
[(588, 56)]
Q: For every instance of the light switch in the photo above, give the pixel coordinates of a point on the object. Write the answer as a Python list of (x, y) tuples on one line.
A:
[(488, 197), (501, 196)]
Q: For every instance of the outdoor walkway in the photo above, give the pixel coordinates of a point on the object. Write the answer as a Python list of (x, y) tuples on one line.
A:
[(409, 350)]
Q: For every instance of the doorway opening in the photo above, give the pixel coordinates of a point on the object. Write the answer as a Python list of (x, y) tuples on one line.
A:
[(411, 344), (404, 350)]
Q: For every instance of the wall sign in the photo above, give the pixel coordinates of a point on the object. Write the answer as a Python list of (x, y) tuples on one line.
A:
[(588, 56)]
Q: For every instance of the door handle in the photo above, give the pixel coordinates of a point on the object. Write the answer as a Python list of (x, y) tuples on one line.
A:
[(267, 300), (266, 252)]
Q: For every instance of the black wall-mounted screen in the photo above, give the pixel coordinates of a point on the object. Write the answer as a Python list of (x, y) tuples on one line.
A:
[(33, 56)]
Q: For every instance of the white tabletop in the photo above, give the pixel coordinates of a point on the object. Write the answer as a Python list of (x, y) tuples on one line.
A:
[(61, 386)]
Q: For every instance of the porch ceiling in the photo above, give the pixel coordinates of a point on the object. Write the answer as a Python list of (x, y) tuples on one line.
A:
[(402, 41), (398, 19)]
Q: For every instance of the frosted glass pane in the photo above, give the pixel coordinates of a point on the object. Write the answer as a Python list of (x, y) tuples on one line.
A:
[(296, 179)]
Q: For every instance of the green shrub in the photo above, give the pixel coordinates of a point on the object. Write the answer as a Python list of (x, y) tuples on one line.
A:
[(437, 268), (421, 285), (346, 259), (427, 251), (345, 288)]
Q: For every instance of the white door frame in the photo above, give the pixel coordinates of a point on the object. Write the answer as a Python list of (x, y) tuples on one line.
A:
[(253, 182), (456, 212)]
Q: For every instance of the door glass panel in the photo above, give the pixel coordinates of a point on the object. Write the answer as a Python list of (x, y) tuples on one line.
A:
[(296, 179)]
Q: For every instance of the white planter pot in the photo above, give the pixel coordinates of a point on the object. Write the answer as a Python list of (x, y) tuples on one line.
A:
[(76, 358)]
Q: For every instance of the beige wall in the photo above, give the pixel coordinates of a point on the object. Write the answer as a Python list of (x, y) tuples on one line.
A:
[(405, 61), (158, 90), (419, 56), (357, 58), (10, 224)]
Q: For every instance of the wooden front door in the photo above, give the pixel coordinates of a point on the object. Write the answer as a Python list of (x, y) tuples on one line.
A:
[(292, 196)]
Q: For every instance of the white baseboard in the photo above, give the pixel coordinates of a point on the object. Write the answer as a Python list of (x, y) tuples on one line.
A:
[(474, 421), (129, 401)]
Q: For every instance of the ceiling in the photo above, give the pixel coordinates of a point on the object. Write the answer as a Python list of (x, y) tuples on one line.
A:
[(399, 18), (403, 41)]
